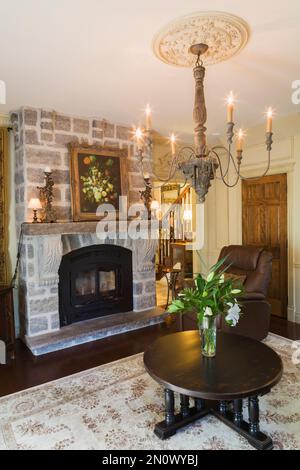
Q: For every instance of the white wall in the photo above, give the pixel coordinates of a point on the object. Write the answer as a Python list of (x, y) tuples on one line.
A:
[(223, 209)]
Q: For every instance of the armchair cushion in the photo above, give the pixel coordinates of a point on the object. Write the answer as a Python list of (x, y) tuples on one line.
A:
[(253, 262)]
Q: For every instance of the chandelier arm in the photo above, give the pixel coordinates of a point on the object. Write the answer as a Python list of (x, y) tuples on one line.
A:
[(173, 169), (173, 166), (249, 178), (257, 178), (224, 176), (180, 185), (163, 180), (191, 149), (237, 169), (229, 157), (220, 147)]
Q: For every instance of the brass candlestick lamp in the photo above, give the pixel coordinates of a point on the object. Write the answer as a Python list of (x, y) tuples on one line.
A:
[(146, 195), (46, 196)]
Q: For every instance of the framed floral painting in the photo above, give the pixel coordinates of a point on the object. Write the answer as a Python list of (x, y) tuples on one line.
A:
[(98, 176)]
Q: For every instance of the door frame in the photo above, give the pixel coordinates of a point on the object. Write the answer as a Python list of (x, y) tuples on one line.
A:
[(279, 166)]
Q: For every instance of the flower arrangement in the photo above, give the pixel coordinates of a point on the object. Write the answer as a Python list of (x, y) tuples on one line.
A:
[(210, 297), (97, 185)]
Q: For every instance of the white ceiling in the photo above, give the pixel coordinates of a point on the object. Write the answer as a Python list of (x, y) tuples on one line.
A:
[(94, 58)]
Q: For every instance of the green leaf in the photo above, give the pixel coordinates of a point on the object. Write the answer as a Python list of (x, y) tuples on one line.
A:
[(216, 266), (172, 308), (199, 282)]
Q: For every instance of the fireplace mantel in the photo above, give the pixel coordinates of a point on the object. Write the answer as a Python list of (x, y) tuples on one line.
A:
[(60, 228)]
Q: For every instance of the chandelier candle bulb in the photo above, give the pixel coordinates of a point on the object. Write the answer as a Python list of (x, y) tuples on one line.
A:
[(240, 140), (173, 144), (148, 118), (269, 120), (47, 169), (230, 107), (139, 138)]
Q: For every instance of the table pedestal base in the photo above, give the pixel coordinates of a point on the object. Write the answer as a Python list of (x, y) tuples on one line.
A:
[(164, 430), (234, 419)]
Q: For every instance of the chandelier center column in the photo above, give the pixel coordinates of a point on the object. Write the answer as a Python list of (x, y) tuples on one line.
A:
[(200, 113)]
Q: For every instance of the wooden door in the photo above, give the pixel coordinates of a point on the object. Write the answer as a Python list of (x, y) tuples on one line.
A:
[(265, 224)]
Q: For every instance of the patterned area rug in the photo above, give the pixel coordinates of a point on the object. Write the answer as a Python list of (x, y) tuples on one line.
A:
[(115, 406)]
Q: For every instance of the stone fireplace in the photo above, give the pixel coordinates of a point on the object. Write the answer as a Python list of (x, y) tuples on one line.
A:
[(45, 250), (53, 299)]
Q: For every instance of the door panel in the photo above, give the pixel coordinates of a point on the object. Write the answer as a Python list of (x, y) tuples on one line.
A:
[(265, 224)]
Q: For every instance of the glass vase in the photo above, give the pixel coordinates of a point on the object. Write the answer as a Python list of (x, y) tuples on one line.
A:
[(208, 334)]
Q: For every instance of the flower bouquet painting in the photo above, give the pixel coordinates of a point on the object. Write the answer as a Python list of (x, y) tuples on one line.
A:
[(98, 177), (212, 296)]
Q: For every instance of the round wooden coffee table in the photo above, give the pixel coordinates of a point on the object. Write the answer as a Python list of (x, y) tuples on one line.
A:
[(243, 368)]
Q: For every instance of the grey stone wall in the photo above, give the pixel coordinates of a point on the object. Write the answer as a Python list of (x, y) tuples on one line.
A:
[(42, 138)]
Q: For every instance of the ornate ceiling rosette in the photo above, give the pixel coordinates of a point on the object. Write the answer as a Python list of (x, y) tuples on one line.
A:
[(224, 33)]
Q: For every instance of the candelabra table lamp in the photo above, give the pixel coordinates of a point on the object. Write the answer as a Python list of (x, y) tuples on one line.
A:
[(35, 205)]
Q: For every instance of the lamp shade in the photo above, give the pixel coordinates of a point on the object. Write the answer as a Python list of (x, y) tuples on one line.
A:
[(34, 203), (187, 215), (154, 205)]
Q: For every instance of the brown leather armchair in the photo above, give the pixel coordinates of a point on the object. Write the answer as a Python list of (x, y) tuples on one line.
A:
[(255, 264)]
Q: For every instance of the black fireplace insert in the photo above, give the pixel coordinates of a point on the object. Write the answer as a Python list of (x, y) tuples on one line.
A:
[(95, 281)]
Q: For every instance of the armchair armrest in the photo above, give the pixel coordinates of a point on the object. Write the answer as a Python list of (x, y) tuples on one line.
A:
[(252, 296)]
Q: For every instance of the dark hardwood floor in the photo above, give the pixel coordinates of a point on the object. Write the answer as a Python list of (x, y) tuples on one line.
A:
[(27, 370), (285, 328)]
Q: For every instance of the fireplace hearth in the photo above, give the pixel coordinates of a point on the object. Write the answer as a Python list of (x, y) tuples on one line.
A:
[(95, 281)]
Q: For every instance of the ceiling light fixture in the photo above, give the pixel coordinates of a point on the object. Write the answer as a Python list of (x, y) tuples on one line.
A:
[(201, 164)]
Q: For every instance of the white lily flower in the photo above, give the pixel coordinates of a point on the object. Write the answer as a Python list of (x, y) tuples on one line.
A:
[(233, 314), (208, 312)]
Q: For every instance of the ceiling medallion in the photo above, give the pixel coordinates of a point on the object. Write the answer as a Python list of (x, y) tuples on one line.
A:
[(224, 33)]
